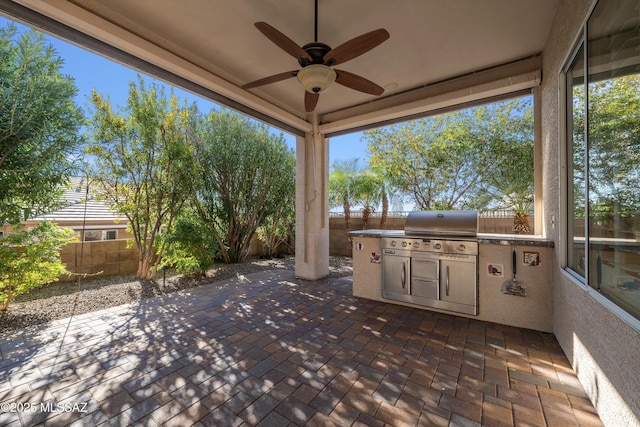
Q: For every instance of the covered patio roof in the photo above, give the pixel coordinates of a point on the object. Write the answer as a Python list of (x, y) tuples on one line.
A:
[(439, 54)]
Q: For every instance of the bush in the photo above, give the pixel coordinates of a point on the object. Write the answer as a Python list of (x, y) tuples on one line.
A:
[(29, 259), (190, 246)]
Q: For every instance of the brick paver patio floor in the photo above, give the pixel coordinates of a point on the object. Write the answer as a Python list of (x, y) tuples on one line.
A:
[(275, 351)]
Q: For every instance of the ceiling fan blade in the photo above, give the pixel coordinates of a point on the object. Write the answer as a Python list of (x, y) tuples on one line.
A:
[(282, 41), (310, 101), (355, 47), (270, 79), (353, 81)]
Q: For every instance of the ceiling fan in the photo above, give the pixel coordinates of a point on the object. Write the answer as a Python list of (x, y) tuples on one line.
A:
[(316, 60)]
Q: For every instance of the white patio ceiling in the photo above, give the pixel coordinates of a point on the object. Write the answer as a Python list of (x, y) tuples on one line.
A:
[(435, 49)]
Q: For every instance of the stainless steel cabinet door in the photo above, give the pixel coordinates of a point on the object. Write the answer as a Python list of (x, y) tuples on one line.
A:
[(458, 281), (396, 274)]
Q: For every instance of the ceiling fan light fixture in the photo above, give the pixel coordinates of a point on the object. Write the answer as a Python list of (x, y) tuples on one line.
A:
[(316, 78)]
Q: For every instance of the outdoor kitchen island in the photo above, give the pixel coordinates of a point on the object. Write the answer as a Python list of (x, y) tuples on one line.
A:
[(534, 261)]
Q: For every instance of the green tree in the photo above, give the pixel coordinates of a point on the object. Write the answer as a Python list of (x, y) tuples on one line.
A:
[(242, 172), (39, 126), (31, 259), (434, 159), (373, 189), (189, 245), (614, 148), (445, 161), (278, 228), (341, 186), (390, 197), (143, 163), (352, 184), (509, 178), (368, 190)]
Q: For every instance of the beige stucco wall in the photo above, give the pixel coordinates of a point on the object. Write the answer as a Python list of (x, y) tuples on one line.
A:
[(535, 311), (367, 276), (312, 206), (603, 348)]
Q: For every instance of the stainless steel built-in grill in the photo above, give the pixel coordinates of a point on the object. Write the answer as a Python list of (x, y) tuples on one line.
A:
[(435, 263), (451, 224)]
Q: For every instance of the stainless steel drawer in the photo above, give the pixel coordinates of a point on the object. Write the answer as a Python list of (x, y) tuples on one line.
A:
[(425, 268), (426, 288)]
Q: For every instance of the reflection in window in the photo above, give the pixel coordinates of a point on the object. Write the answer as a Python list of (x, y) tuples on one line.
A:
[(95, 235), (603, 193), (576, 182)]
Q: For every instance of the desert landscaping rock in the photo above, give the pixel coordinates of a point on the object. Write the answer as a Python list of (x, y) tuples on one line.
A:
[(65, 299)]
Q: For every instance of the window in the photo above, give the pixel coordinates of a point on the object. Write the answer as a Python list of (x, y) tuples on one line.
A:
[(94, 235), (603, 155), (576, 163)]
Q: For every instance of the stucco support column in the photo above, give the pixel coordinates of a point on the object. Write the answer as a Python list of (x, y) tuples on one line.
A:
[(312, 212)]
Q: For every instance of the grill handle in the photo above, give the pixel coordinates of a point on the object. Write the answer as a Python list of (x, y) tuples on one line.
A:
[(404, 274), (447, 281)]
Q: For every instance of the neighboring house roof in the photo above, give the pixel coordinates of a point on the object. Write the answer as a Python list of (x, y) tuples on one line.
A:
[(80, 206)]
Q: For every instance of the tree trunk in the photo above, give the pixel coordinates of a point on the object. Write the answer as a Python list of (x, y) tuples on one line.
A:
[(366, 213), (10, 290), (521, 224), (385, 210), (5, 306), (144, 267), (347, 215)]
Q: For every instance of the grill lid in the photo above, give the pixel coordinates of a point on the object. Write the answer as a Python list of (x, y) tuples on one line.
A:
[(442, 223)]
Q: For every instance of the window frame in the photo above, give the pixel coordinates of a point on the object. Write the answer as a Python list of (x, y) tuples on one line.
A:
[(581, 41), (566, 156), (104, 234)]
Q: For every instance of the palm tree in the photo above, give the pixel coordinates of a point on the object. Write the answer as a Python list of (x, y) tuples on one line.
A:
[(351, 184), (341, 186), (520, 204), (368, 189), (390, 196), (511, 182), (515, 197)]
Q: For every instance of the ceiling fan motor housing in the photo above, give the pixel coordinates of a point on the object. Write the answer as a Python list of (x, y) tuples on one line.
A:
[(316, 51)]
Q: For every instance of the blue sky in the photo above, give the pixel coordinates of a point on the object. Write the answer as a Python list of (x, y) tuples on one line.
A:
[(92, 71)]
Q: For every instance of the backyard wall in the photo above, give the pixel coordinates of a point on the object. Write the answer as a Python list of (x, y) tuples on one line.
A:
[(113, 257), (339, 243)]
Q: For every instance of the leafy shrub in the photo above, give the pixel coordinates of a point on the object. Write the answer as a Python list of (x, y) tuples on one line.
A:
[(29, 259), (190, 246)]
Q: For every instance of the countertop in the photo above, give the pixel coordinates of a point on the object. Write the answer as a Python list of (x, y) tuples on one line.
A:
[(483, 238)]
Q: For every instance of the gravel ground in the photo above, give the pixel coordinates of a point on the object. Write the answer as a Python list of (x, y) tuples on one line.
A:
[(61, 300)]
